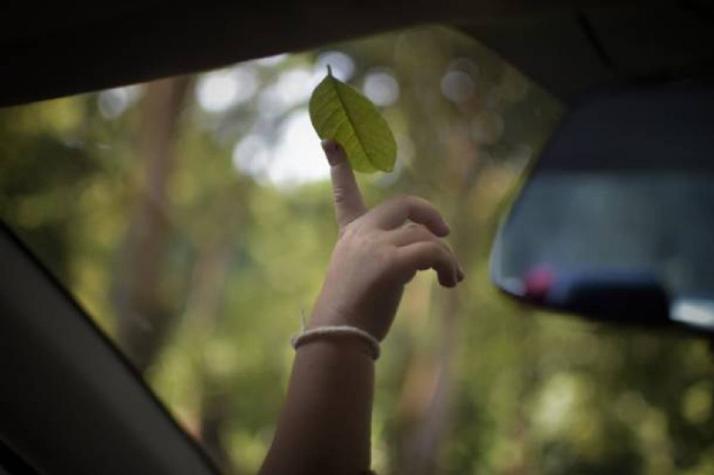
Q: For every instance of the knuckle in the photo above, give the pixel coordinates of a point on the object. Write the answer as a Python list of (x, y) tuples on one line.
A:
[(403, 200), (433, 249), (427, 236), (349, 230), (393, 202), (445, 247), (415, 200), (417, 229), (444, 252), (340, 194)]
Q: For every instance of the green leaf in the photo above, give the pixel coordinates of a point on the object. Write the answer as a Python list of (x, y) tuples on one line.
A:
[(340, 113)]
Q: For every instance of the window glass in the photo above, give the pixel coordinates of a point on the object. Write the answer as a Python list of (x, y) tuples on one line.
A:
[(192, 218)]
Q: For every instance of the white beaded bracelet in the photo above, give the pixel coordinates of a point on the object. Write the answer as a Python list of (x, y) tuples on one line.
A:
[(336, 331)]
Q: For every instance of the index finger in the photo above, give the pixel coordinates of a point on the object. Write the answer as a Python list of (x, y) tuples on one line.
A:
[(349, 204)]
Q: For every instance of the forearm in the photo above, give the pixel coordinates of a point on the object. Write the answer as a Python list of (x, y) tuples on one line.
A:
[(325, 424)]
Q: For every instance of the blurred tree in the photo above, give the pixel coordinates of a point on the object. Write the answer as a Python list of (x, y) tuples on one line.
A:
[(144, 312)]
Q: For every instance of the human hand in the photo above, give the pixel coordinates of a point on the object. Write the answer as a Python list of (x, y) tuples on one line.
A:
[(378, 251)]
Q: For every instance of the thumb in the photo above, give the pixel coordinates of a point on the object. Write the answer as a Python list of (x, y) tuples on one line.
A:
[(348, 199)]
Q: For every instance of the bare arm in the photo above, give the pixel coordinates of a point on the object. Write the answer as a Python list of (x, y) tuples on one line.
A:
[(325, 424)]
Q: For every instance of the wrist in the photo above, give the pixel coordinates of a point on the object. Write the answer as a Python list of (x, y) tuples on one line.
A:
[(325, 313)]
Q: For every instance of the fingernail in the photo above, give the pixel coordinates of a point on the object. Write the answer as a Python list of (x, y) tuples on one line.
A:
[(460, 272), (332, 151)]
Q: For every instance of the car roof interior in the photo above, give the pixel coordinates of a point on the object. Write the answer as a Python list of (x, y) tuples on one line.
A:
[(568, 46), (101, 417)]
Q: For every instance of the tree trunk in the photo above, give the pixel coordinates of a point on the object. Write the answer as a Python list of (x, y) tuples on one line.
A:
[(428, 424), (144, 314), (203, 307), (430, 417)]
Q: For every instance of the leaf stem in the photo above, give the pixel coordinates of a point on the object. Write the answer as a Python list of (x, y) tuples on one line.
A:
[(329, 70)]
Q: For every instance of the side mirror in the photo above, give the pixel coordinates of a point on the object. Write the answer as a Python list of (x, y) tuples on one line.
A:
[(616, 220)]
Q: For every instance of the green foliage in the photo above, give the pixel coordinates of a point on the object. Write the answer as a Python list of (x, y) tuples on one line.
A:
[(341, 113)]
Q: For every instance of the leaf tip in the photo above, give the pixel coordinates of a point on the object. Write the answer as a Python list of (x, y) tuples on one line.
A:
[(329, 70)]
